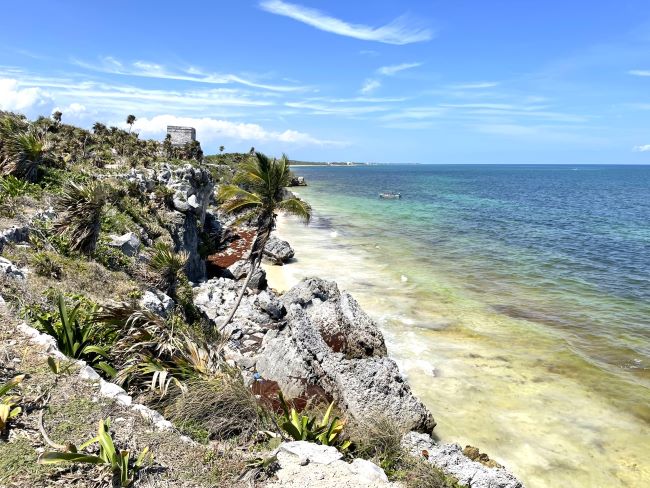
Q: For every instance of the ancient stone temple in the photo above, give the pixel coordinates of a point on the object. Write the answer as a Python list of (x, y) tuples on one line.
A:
[(181, 135)]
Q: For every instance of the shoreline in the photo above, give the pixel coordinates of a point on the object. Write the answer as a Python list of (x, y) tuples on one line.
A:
[(440, 363)]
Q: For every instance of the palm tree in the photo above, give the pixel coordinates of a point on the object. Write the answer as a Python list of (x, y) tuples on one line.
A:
[(56, 116), (259, 197), (130, 120), (221, 148)]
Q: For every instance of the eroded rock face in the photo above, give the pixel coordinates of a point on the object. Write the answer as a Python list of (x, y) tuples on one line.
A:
[(278, 251), (298, 358), (341, 322), (288, 342), (450, 458), (157, 302)]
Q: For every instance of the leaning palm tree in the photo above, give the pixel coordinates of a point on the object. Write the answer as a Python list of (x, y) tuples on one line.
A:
[(81, 208), (258, 194)]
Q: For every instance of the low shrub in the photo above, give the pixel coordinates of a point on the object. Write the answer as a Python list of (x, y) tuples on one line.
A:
[(379, 440)]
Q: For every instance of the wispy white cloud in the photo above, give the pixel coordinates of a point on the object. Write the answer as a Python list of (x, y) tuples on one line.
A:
[(475, 86), (369, 86), (639, 72), (642, 148), (315, 108), (15, 97), (147, 69), (74, 109), (400, 31), (210, 129), (396, 68)]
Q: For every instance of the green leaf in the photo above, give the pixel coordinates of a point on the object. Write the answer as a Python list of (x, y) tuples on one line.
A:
[(52, 457)]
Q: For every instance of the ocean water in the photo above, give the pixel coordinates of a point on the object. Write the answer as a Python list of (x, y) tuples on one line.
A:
[(516, 299)]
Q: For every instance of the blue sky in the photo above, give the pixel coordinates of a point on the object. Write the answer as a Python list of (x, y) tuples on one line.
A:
[(445, 81)]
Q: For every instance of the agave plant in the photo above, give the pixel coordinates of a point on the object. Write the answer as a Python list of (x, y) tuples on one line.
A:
[(8, 408), (81, 207), (25, 151), (109, 455), (305, 428), (76, 332)]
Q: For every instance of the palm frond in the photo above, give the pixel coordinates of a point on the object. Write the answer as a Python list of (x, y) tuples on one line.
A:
[(297, 207)]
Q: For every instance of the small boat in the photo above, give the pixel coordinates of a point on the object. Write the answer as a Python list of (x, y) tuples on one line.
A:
[(389, 195)]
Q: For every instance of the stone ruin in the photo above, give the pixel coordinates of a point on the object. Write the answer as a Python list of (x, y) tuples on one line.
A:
[(181, 135)]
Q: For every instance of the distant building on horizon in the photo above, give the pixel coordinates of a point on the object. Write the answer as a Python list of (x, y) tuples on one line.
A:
[(181, 135)]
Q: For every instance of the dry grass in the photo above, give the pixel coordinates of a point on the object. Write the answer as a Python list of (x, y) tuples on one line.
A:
[(222, 406)]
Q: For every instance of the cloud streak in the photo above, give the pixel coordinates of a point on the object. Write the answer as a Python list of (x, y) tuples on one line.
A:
[(146, 69), (370, 86), (396, 68), (399, 32), (639, 72), (642, 148)]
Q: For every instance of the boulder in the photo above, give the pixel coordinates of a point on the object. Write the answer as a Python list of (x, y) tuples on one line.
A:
[(341, 322), (450, 459), (9, 269), (278, 251), (304, 464), (184, 231), (128, 243), (157, 302), (300, 360), (240, 270)]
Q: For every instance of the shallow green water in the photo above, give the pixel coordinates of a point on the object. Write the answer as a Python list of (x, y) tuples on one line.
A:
[(516, 299)]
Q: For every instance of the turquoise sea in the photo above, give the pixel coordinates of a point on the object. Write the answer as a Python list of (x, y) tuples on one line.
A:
[(516, 298)]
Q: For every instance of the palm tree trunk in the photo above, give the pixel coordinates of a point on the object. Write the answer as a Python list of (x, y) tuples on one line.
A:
[(257, 252), (251, 271)]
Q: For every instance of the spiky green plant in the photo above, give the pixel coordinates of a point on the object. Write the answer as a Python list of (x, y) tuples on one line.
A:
[(109, 455), (169, 266), (77, 333), (8, 408), (258, 194), (81, 207), (304, 428), (24, 152), (155, 353)]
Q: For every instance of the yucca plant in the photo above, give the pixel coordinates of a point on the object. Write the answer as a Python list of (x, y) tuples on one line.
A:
[(109, 455), (258, 194), (9, 409), (305, 428), (81, 207), (151, 352), (24, 152), (169, 266), (76, 332)]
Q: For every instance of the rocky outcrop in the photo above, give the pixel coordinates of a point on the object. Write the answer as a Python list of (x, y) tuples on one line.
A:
[(337, 316), (10, 270), (240, 270), (278, 251), (304, 464), (314, 340), (451, 459), (193, 191), (128, 243), (157, 302)]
